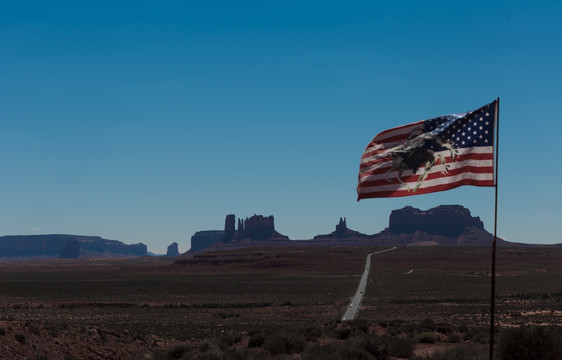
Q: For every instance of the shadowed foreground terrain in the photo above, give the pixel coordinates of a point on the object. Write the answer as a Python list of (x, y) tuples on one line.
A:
[(271, 302)]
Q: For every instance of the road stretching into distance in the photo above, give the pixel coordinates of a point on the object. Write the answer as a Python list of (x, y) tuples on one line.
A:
[(353, 307)]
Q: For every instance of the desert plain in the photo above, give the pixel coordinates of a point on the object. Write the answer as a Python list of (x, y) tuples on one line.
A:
[(232, 304)]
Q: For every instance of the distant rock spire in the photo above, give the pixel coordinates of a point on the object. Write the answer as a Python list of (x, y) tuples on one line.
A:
[(341, 228), (229, 230), (173, 249)]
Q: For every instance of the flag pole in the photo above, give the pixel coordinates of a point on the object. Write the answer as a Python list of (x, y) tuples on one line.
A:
[(493, 296)]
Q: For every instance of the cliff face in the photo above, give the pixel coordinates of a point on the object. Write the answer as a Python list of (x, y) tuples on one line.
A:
[(255, 228), (229, 230), (444, 220), (203, 239), (71, 249), (98, 246), (258, 227), (45, 245), (446, 225), (172, 250), (68, 246)]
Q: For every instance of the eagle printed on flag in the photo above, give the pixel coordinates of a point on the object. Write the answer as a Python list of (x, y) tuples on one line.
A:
[(431, 155)]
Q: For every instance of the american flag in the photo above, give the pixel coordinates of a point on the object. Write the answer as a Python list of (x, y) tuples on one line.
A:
[(431, 155)]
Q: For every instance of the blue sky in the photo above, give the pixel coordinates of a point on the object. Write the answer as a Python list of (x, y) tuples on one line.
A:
[(147, 121)]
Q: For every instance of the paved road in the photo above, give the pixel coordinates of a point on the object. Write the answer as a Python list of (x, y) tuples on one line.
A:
[(351, 310)]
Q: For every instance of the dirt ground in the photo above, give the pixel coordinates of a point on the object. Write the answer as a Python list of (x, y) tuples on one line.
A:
[(132, 308)]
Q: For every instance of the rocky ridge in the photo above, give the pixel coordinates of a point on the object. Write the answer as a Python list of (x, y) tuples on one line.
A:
[(445, 225), (66, 246), (203, 239)]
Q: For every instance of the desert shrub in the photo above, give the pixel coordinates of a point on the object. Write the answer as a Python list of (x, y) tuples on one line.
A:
[(409, 329), (384, 347), (224, 315), (3, 331), (209, 351), (427, 337), (237, 354), (256, 340), (393, 330), (427, 325), (374, 345), (329, 329), (461, 352), (123, 338), (35, 330), (476, 334), (531, 342), (284, 343), (254, 331), (210, 356), (454, 338), (336, 351), (360, 324), (54, 328), (445, 329), (225, 341), (176, 352), (311, 333), (20, 338), (221, 314), (482, 337), (41, 357), (343, 333), (401, 347), (206, 346)]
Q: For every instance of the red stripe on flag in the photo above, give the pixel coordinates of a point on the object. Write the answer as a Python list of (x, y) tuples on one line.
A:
[(432, 176), (448, 160), (400, 193)]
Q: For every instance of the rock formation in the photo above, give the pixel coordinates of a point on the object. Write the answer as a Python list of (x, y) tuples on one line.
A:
[(258, 228), (445, 225), (341, 228), (255, 228), (202, 239), (342, 232), (69, 246), (445, 220), (71, 249), (229, 230), (97, 246), (173, 249)]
